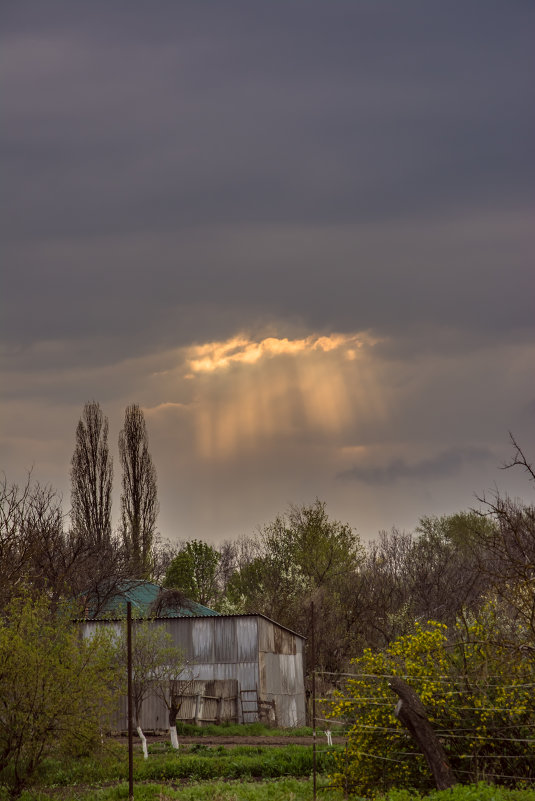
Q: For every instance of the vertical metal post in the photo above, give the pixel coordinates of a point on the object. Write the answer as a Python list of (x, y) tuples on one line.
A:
[(313, 644), (129, 691)]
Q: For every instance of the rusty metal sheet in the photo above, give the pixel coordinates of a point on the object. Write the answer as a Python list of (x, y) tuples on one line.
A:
[(266, 635)]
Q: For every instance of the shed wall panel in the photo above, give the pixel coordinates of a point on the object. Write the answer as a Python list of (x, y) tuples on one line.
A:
[(182, 636), (203, 639), (247, 635), (266, 636), (259, 655), (226, 640)]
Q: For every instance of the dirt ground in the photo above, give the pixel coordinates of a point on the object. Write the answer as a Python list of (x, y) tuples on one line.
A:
[(230, 742)]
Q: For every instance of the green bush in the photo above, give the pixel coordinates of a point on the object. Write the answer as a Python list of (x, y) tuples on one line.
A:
[(478, 697), (56, 689)]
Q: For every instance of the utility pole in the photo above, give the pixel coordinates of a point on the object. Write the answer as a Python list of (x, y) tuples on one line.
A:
[(130, 722), (313, 645)]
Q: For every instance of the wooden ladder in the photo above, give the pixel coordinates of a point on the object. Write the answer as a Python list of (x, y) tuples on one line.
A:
[(249, 705)]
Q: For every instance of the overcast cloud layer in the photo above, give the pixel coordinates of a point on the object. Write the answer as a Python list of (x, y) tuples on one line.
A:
[(300, 235)]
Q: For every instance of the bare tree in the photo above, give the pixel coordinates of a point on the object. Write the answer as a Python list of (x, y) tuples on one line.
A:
[(507, 551), (139, 500), (15, 547), (155, 662), (91, 477), (39, 555)]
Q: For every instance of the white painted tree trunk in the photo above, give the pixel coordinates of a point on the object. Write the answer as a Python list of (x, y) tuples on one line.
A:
[(174, 737), (143, 742)]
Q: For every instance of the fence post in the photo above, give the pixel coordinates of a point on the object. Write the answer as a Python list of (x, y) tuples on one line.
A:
[(198, 709)]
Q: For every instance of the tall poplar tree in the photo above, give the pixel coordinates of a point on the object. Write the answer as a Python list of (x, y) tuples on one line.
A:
[(139, 498), (92, 477)]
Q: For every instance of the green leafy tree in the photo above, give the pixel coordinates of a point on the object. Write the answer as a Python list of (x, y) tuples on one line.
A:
[(302, 556), (56, 689), (194, 571)]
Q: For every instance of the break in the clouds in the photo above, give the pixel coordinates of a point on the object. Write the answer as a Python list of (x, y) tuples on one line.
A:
[(300, 236)]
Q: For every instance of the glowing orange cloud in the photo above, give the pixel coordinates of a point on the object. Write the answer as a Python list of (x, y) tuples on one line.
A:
[(278, 387), (241, 350)]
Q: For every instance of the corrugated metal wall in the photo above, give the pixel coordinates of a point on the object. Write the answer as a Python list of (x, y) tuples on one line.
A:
[(281, 669), (264, 661)]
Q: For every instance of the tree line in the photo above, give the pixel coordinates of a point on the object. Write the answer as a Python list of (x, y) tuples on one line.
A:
[(462, 582), (365, 594)]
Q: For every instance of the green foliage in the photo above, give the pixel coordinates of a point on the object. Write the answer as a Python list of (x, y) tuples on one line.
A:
[(477, 693), (472, 792), (300, 552), (462, 529), (301, 557), (56, 689), (194, 571)]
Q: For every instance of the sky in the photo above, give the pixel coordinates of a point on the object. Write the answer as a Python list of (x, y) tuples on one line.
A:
[(298, 234)]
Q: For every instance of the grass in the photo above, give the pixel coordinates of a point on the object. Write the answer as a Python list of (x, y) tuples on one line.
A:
[(287, 789), (196, 763), (199, 772), (473, 792), (192, 766)]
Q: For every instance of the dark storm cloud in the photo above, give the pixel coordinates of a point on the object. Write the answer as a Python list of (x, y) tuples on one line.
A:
[(142, 145), (238, 115), (445, 464)]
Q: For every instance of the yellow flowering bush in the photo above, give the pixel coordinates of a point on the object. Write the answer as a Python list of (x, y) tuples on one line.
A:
[(478, 695)]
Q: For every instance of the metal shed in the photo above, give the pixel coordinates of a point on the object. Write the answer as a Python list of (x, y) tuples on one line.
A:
[(245, 668)]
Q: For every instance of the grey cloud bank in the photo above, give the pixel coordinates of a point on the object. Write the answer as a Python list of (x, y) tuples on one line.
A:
[(444, 464)]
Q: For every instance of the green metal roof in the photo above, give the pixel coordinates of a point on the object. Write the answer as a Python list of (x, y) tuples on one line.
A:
[(142, 595)]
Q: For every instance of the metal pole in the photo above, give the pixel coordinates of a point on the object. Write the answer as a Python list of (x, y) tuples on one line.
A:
[(129, 691), (313, 644)]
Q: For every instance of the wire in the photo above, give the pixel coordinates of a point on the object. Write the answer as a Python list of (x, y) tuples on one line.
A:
[(388, 759), (441, 678), (357, 701), (370, 701), (499, 775), (441, 734)]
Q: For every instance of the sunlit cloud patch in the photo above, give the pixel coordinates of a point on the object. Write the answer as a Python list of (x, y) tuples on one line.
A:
[(251, 392)]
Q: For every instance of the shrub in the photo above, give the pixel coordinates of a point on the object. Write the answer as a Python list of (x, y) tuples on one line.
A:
[(56, 689), (478, 697)]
